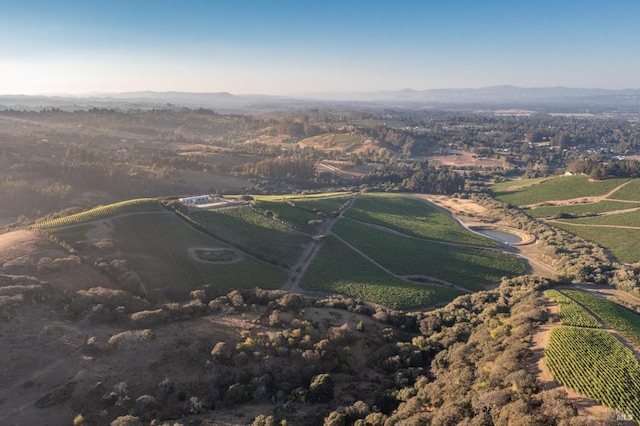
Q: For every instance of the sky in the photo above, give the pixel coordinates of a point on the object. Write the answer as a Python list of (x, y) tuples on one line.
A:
[(289, 47)]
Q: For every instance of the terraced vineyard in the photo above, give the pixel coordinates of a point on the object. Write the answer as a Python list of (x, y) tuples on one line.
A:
[(630, 192), (628, 219), (621, 242), (597, 365), (571, 313), (281, 210)]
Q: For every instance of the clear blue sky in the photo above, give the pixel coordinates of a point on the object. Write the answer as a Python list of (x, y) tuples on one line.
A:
[(299, 46)]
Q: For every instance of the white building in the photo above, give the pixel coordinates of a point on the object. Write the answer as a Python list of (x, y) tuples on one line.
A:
[(193, 201)]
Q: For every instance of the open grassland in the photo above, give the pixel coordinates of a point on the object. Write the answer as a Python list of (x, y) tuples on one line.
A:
[(560, 188), (631, 219), (622, 243), (337, 268), (103, 212), (630, 191), (597, 365), (157, 248), (571, 313), (414, 217), (255, 233), (294, 217), (615, 316), (580, 209), (467, 267)]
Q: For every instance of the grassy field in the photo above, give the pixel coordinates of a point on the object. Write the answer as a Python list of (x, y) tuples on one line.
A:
[(630, 191), (577, 209), (254, 233), (413, 217), (560, 188), (337, 268), (622, 243), (470, 268), (157, 248)]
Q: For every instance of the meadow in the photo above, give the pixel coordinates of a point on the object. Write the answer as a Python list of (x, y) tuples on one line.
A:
[(337, 268), (560, 188), (412, 217), (467, 267)]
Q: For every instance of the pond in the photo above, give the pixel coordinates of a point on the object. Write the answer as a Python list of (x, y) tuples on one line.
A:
[(502, 236)]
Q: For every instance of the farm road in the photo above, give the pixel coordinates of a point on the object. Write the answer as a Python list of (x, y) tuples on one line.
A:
[(298, 270)]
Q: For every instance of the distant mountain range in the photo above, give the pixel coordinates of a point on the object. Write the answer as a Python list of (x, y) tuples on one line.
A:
[(494, 96)]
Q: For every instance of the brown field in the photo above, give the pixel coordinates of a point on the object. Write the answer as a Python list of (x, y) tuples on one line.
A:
[(465, 158)]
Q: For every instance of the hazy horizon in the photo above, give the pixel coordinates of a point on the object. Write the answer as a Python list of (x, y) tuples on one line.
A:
[(285, 47)]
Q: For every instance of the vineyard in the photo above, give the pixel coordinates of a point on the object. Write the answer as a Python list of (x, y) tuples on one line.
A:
[(413, 217), (595, 364), (254, 233), (581, 209), (468, 267), (571, 313), (615, 316), (560, 188), (621, 242), (339, 269), (102, 212)]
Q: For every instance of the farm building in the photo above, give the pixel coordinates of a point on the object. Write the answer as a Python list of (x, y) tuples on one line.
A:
[(193, 201)]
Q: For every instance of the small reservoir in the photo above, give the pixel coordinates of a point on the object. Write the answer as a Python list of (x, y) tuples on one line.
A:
[(502, 236)]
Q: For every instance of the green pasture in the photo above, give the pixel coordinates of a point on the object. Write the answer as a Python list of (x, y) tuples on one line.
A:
[(339, 269), (560, 188), (622, 243), (156, 246), (630, 191), (578, 209), (467, 267), (414, 217), (254, 232)]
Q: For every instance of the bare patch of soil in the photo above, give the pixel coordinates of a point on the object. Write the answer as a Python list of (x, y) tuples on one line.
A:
[(464, 158)]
